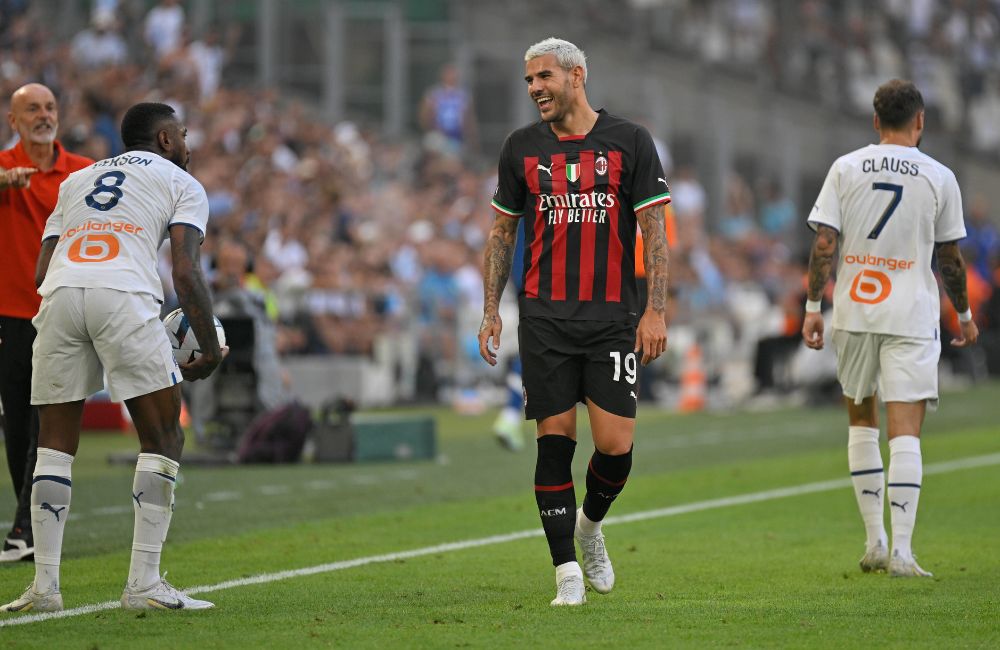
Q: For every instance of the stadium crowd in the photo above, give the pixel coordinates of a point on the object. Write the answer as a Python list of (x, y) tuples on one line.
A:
[(355, 238), (839, 52)]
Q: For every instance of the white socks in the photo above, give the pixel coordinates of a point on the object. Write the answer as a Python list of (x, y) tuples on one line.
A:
[(153, 504), (50, 496), (567, 569), (905, 474), (865, 462), (585, 525)]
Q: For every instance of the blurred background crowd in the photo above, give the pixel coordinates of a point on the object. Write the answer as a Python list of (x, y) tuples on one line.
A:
[(353, 240)]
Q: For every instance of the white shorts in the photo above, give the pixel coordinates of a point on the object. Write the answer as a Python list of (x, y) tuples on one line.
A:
[(903, 369), (84, 334)]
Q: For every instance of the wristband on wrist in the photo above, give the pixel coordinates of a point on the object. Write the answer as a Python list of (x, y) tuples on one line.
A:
[(965, 316), (813, 306)]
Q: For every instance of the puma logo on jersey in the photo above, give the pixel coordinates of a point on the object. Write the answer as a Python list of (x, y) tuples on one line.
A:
[(547, 170), (664, 181)]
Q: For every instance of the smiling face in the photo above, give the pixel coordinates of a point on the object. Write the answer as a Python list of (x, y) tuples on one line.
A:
[(34, 114), (552, 88)]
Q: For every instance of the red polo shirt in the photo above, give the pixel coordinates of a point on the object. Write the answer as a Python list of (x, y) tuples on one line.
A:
[(23, 213)]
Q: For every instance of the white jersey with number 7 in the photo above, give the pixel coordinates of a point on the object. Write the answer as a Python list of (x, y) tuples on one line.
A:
[(112, 217), (890, 204)]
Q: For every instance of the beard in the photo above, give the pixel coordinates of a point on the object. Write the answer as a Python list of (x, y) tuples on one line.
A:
[(43, 136)]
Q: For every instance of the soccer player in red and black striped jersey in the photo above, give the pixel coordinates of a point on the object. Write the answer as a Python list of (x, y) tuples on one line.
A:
[(582, 179)]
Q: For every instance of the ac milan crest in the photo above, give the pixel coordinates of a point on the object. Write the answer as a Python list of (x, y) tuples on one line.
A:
[(601, 165)]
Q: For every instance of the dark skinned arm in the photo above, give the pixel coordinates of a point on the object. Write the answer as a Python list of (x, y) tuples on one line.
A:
[(44, 257), (195, 299), (498, 259), (651, 334)]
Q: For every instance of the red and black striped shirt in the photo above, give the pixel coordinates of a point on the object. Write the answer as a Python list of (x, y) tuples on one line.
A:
[(579, 195)]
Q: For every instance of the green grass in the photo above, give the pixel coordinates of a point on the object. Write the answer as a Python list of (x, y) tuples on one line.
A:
[(778, 573)]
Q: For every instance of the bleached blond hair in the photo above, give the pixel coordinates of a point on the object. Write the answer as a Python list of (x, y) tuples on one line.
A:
[(568, 55)]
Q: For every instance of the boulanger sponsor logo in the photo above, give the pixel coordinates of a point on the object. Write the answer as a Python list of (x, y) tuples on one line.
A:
[(870, 287), (890, 263), (589, 207), (99, 242), (94, 247)]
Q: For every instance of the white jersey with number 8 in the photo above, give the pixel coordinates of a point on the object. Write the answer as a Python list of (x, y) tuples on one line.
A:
[(890, 204), (112, 217)]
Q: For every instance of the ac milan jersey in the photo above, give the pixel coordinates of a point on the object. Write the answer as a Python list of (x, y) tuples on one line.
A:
[(579, 195)]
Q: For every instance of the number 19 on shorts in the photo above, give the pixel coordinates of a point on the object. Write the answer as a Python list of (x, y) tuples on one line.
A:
[(630, 366)]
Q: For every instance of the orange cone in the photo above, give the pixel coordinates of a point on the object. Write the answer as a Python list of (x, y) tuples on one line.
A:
[(693, 382), (185, 418)]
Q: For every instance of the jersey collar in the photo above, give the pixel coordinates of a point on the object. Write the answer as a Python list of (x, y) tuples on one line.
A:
[(578, 137)]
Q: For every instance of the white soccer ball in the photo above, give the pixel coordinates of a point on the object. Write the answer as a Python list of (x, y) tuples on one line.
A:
[(182, 340)]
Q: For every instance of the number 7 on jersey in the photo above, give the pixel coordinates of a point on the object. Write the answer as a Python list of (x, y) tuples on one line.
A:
[(897, 191)]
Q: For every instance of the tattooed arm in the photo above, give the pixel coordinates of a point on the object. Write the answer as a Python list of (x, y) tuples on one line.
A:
[(820, 265), (952, 268), (497, 261), (196, 301), (651, 334)]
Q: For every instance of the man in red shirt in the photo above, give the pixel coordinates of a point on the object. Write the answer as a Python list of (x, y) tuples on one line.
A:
[(30, 174)]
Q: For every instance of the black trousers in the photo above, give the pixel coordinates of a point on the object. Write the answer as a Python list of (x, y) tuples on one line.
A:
[(20, 419)]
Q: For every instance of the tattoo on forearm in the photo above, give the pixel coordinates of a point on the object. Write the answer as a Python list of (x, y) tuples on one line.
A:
[(497, 261), (952, 268), (655, 256), (821, 260)]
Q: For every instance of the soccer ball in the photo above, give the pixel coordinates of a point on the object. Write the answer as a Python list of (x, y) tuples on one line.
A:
[(182, 341)]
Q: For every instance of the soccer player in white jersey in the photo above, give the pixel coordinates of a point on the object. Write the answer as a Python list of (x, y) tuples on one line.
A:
[(101, 298), (888, 208)]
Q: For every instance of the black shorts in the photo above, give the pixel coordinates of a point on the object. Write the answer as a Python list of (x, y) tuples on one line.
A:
[(567, 361)]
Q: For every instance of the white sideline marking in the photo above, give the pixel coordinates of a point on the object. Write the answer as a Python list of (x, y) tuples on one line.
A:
[(697, 506)]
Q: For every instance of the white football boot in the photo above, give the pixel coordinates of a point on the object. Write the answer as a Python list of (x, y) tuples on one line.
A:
[(161, 595), (906, 567), (32, 601), (596, 563), (569, 585), (876, 559)]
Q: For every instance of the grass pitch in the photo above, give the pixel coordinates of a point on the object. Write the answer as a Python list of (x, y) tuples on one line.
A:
[(715, 558)]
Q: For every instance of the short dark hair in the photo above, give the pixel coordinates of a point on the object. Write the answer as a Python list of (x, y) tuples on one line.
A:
[(896, 103), (142, 121)]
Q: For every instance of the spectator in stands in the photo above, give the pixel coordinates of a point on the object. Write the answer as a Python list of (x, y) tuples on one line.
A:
[(164, 27), (101, 44), (447, 115)]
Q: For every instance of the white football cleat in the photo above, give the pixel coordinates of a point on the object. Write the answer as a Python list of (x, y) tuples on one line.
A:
[(32, 601), (16, 549), (906, 567), (161, 595), (876, 559), (596, 563), (569, 585)]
